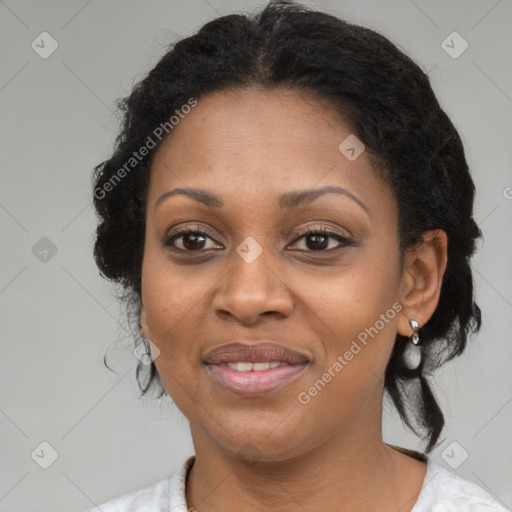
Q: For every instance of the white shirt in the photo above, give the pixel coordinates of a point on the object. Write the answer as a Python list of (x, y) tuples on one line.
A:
[(442, 491)]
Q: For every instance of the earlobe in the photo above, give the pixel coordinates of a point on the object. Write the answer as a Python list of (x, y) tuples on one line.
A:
[(424, 268)]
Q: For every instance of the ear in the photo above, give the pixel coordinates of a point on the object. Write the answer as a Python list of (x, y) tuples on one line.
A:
[(144, 323), (422, 277)]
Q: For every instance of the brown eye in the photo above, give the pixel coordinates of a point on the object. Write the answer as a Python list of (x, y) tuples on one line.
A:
[(318, 240), (191, 240)]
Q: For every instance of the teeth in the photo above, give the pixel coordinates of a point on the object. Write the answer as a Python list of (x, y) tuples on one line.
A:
[(247, 366), (260, 366)]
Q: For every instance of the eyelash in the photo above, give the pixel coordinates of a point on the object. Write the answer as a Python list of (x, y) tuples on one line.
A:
[(345, 242)]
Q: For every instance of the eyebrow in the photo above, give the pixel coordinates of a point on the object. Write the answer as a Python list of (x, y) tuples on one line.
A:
[(292, 199)]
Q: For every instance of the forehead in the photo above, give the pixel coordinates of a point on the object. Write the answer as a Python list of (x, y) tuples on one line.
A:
[(250, 144)]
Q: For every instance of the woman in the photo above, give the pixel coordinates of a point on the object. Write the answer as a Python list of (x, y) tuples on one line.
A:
[(289, 212)]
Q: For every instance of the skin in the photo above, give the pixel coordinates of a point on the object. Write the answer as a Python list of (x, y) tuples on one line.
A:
[(249, 146)]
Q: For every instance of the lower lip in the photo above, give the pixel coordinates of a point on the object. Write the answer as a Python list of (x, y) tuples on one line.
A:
[(253, 383)]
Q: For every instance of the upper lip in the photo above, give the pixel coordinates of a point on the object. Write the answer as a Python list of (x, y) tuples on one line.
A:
[(256, 353)]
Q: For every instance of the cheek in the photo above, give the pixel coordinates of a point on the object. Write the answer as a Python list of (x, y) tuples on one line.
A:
[(174, 321), (349, 374), (359, 310), (172, 301), (355, 297)]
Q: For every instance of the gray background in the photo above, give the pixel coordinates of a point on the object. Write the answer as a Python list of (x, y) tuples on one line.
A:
[(59, 316)]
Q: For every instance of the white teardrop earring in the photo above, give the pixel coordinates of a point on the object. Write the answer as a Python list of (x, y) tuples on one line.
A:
[(412, 353)]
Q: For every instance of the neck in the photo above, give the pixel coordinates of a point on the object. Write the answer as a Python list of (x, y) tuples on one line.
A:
[(354, 470)]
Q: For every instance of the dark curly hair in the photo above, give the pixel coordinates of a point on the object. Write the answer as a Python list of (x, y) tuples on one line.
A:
[(389, 103)]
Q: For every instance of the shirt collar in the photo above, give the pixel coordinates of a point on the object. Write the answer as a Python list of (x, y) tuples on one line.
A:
[(177, 485)]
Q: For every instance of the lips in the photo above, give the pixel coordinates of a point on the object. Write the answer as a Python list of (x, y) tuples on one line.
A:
[(252, 370), (260, 353)]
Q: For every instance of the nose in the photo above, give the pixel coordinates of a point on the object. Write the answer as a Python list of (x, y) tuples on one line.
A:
[(251, 291)]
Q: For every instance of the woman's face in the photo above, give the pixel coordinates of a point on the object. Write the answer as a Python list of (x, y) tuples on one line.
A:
[(254, 277)]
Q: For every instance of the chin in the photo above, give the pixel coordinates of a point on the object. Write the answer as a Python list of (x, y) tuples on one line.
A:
[(261, 444)]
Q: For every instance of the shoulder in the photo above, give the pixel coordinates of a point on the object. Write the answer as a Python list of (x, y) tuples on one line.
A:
[(444, 491), (153, 497), (165, 494)]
